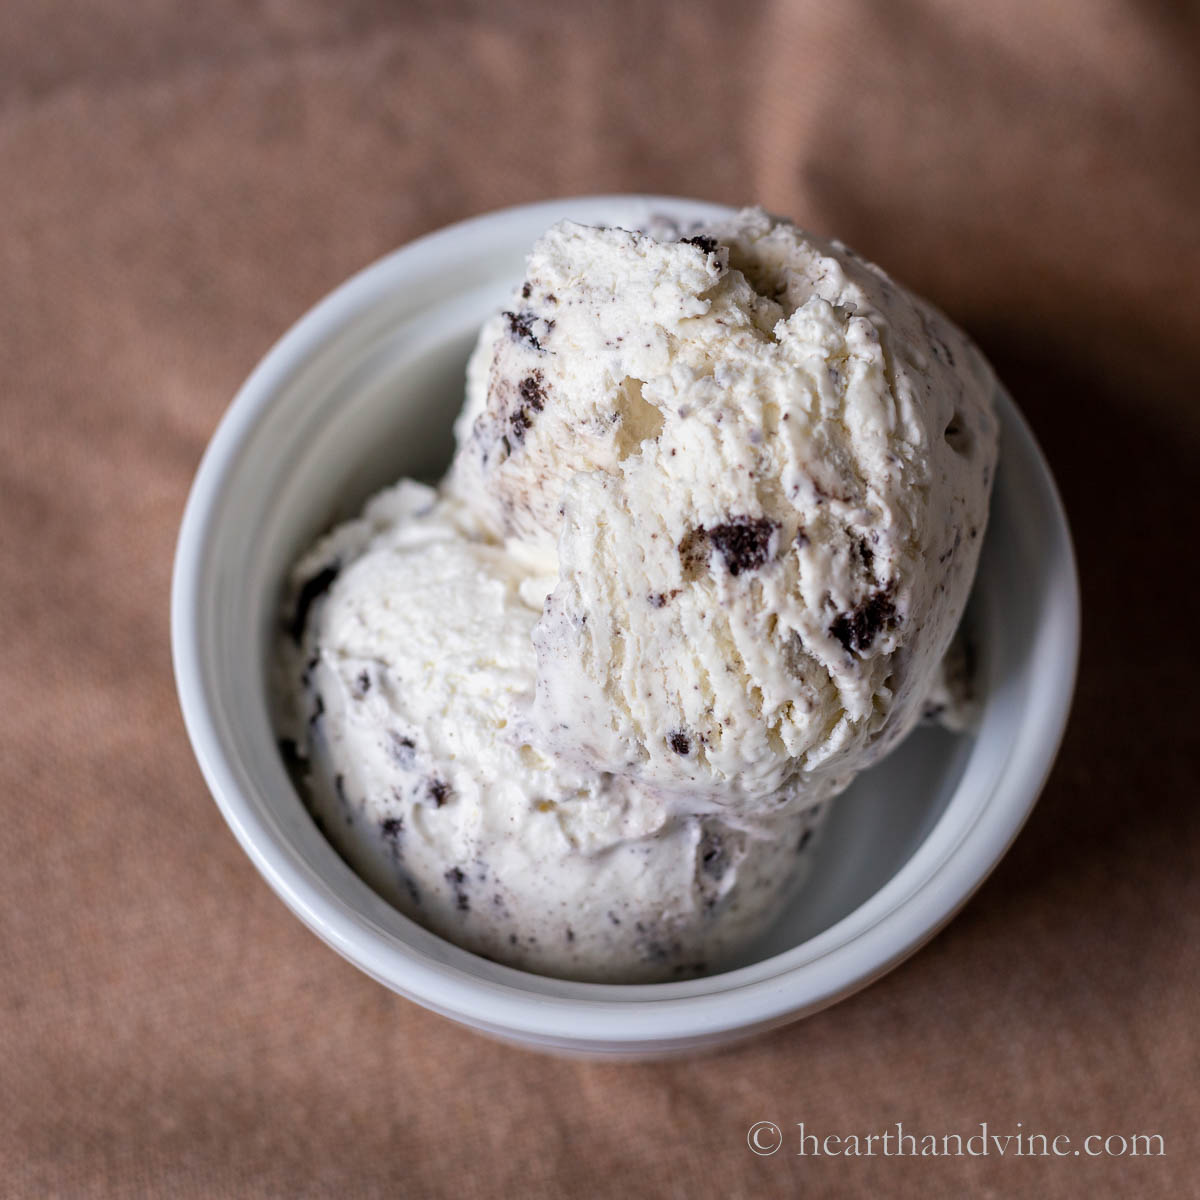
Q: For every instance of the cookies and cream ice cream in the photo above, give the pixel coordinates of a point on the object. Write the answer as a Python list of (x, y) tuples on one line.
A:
[(759, 472), (714, 513), (418, 677)]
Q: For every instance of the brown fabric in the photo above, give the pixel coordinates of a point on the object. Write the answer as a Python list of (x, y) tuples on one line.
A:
[(179, 182)]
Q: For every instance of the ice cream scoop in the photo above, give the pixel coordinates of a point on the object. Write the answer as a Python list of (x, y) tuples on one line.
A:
[(416, 671), (755, 472)]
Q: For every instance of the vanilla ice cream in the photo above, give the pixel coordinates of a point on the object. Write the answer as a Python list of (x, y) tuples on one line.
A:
[(714, 513)]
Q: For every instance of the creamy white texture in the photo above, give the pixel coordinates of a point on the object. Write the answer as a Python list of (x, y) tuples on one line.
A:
[(714, 513), (418, 674), (756, 472)]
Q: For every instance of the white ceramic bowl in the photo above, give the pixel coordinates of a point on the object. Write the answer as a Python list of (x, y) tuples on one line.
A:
[(363, 390)]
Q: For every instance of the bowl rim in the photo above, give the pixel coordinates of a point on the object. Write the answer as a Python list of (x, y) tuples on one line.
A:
[(594, 1014)]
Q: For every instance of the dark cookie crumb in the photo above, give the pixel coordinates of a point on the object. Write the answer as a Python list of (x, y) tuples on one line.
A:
[(362, 685), (743, 542), (519, 422), (866, 554), (339, 786), (801, 538), (612, 916), (679, 742), (526, 291), (456, 879), (439, 792), (857, 630), (392, 828), (520, 325), (532, 391), (702, 241), (402, 749), (570, 934), (311, 590), (805, 838), (533, 400), (659, 599)]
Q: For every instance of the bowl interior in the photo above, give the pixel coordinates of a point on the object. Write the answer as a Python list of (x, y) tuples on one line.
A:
[(365, 390)]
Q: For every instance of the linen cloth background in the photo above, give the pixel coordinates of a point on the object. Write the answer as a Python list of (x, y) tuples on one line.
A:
[(179, 182)]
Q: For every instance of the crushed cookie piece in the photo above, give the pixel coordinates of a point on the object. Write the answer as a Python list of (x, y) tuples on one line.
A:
[(858, 629), (520, 325), (456, 878), (743, 542), (402, 749), (533, 400), (702, 241)]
